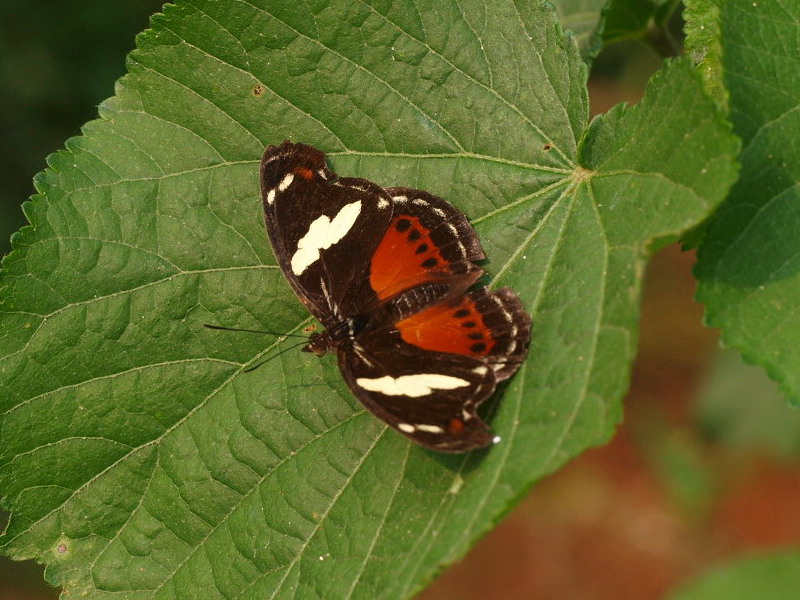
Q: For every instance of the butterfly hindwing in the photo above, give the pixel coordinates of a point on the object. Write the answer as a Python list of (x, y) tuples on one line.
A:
[(429, 397), (491, 326), (428, 374)]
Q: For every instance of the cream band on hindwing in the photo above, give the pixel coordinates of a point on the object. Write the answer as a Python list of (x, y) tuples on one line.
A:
[(408, 428), (413, 386), (323, 233)]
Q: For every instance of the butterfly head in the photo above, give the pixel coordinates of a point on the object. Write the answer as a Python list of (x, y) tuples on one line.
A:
[(318, 343), (343, 332)]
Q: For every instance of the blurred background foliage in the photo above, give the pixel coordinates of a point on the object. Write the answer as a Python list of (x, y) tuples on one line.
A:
[(705, 466), (58, 61)]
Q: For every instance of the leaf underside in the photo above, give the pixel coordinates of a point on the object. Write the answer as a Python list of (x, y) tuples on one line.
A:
[(140, 460)]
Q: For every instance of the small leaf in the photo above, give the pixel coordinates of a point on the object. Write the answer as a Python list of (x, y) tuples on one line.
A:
[(748, 262), (704, 45), (646, 20), (141, 459), (728, 414), (583, 18), (776, 577), (626, 19)]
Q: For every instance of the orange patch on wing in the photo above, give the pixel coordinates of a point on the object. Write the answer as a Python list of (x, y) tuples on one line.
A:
[(457, 329), (455, 426), (304, 172), (406, 257)]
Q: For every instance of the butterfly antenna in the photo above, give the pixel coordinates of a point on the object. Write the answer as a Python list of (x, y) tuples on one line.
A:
[(279, 335), (284, 335), (269, 358)]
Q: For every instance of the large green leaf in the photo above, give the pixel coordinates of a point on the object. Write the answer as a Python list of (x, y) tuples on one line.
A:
[(140, 459), (749, 261)]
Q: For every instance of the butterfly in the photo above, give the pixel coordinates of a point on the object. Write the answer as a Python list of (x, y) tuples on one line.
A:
[(391, 275)]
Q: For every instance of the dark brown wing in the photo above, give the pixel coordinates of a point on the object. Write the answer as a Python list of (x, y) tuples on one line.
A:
[(323, 229), (429, 397), (427, 376)]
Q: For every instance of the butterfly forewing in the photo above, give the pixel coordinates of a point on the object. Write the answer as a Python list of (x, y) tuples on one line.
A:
[(322, 227)]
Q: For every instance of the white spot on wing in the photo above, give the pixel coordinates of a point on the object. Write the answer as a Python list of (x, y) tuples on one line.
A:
[(286, 182), (454, 231), (323, 233), (331, 306), (406, 427), (383, 203), (506, 315), (429, 428), (271, 196), (359, 350), (413, 386)]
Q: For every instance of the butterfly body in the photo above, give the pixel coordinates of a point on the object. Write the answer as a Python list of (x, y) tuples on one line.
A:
[(390, 274)]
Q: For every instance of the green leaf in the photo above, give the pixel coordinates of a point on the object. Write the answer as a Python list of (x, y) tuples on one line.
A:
[(646, 20), (728, 414), (626, 19), (776, 577), (582, 17), (141, 459), (703, 43), (748, 263)]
